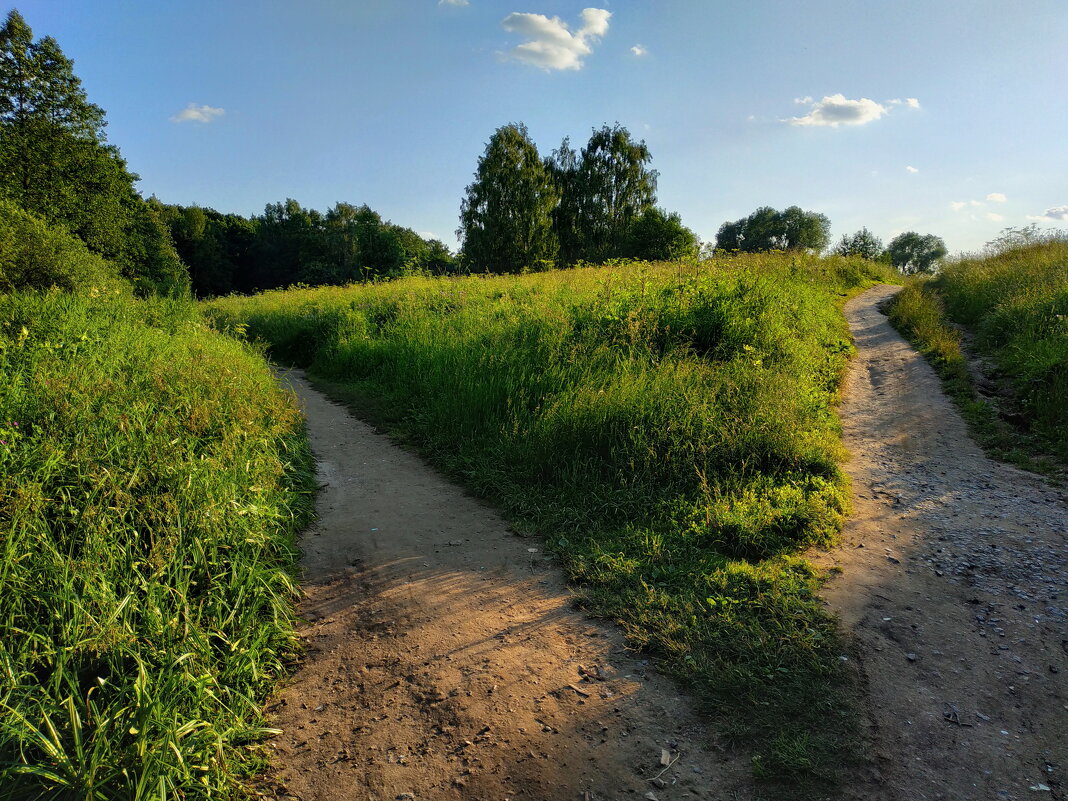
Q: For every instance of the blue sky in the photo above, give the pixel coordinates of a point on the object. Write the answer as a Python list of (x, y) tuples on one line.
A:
[(936, 116)]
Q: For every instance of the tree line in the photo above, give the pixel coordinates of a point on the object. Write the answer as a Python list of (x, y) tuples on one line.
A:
[(524, 211), (59, 177)]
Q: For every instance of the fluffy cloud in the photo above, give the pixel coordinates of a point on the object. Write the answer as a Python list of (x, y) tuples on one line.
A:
[(551, 43), (195, 113), (994, 217), (639, 50), (453, 3), (996, 197), (835, 110), (911, 169), (1056, 214)]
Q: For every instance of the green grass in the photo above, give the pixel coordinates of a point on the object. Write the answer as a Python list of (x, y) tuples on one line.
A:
[(1013, 307), (668, 429), (152, 476)]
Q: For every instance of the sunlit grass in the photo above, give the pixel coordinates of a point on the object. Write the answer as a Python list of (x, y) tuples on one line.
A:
[(668, 429), (152, 476), (1014, 307)]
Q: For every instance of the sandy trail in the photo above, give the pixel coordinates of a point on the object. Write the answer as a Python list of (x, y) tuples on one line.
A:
[(445, 659), (954, 581)]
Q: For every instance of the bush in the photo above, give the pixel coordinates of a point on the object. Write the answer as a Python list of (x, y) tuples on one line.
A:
[(34, 255)]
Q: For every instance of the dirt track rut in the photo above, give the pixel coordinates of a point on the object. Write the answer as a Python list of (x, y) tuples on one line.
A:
[(446, 660), (954, 581)]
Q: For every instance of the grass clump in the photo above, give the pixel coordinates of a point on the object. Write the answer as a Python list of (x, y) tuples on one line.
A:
[(151, 477), (668, 429), (1009, 309)]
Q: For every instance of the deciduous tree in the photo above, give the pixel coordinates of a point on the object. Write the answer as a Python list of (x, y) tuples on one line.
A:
[(768, 229), (506, 215), (862, 243), (911, 252)]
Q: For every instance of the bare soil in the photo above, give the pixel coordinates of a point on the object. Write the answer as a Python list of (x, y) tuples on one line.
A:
[(953, 580), (445, 658)]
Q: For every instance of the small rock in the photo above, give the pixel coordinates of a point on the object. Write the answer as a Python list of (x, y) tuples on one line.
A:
[(658, 782), (910, 657), (651, 796), (406, 797), (456, 542)]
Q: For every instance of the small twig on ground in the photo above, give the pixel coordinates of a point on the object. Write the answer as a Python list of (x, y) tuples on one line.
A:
[(665, 770), (952, 715)]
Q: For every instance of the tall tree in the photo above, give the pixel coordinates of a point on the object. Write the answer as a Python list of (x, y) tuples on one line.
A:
[(506, 215), (862, 243), (768, 229), (55, 161), (614, 185), (563, 166), (911, 252)]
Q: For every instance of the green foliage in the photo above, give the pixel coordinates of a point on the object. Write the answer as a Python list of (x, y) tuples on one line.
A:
[(152, 475), (655, 235), (289, 244), (1013, 307), (767, 229), (506, 215), (669, 429), (55, 162), (614, 186), (34, 255), (863, 243), (911, 252)]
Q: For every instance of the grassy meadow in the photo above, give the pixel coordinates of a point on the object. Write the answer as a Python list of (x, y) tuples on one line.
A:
[(668, 429), (152, 478), (1011, 309)]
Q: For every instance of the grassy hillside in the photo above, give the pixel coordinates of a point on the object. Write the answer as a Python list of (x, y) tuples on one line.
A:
[(1011, 309), (150, 485), (669, 430)]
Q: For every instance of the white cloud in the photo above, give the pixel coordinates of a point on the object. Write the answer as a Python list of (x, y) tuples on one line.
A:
[(195, 113), (835, 110), (639, 50), (552, 45), (911, 169), (803, 101), (996, 197), (994, 217), (957, 205), (1056, 214), (453, 3), (912, 102)]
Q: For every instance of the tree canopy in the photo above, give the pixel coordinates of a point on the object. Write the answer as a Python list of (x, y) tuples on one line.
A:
[(55, 162), (506, 220), (911, 252), (862, 243), (769, 229)]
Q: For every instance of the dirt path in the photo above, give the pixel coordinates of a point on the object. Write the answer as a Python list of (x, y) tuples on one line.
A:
[(954, 580), (445, 659)]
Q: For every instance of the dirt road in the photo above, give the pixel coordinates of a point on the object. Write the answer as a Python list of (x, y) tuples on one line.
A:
[(445, 659), (954, 580)]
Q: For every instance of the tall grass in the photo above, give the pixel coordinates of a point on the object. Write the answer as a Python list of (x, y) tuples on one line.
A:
[(669, 430), (151, 478), (1013, 307)]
